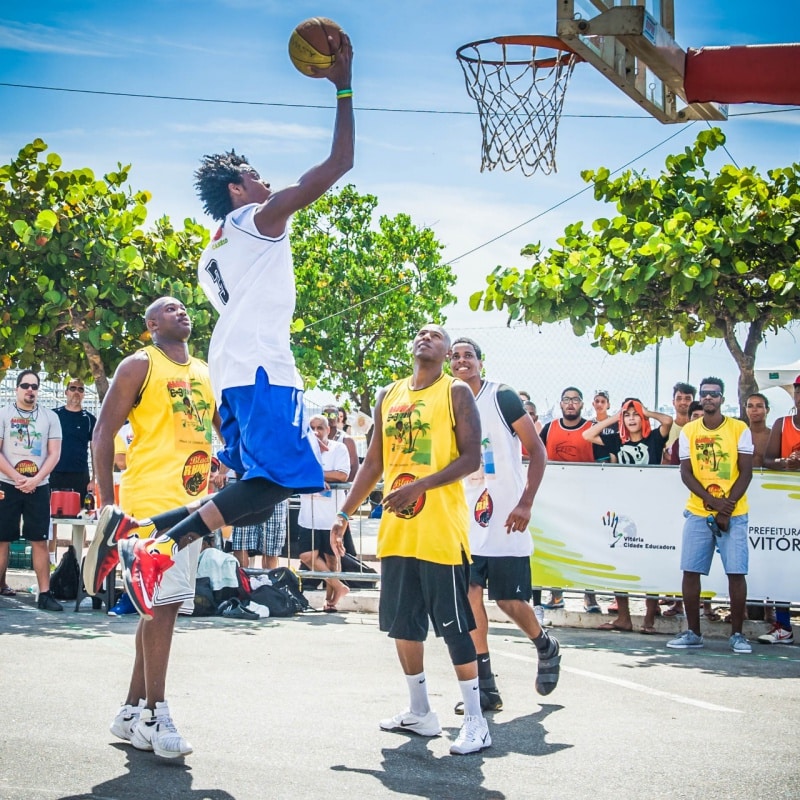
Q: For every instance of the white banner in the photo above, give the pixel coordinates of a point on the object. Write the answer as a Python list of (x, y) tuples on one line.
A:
[(619, 528)]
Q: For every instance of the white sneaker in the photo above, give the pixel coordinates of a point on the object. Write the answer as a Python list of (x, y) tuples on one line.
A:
[(125, 722), (423, 725), (156, 731), (473, 737), (539, 613), (777, 635)]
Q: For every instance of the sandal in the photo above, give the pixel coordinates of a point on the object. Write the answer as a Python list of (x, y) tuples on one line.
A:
[(7, 591), (673, 612), (549, 668), (648, 629)]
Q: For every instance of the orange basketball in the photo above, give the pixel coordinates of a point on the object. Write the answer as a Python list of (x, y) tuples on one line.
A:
[(314, 44)]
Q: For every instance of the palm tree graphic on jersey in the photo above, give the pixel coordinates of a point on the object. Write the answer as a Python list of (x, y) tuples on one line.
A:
[(405, 426)]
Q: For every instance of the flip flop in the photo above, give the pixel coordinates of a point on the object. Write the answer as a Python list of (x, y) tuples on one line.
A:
[(612, 626), (7, 591), (672, 612), (549, 668), (649, 630), (329, 609)]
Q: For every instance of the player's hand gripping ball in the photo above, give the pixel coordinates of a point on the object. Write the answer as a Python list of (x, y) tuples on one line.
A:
[(314, 45)]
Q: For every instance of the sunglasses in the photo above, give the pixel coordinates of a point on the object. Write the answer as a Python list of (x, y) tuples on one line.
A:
[(76, 389), (710, 393), (34, 386)]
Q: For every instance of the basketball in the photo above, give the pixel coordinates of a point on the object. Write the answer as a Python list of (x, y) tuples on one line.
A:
[(310, 48)]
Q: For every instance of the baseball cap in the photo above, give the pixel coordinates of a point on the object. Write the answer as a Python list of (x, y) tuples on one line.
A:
[(797, 381)]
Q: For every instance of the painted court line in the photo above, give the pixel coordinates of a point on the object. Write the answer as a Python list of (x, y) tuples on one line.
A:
[(637, 687)]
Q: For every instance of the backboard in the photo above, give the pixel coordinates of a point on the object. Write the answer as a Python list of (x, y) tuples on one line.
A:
[(632, 43)]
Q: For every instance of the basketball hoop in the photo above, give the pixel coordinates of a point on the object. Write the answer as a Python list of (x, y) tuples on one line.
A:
[(518, 83)]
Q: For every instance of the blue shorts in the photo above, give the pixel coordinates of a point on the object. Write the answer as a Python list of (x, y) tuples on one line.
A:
[(266, 435), (699, 544)]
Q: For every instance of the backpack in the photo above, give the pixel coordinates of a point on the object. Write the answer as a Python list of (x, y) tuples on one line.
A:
[(282, 596), (66, 577)]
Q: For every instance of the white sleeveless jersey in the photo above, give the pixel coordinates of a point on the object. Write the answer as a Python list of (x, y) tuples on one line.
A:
[(249, 279), (494, 489)]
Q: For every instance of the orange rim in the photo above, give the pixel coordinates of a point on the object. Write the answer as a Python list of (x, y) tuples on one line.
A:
[(526, 40)]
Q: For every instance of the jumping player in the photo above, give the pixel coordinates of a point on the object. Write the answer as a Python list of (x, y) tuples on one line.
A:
[(247, 274)]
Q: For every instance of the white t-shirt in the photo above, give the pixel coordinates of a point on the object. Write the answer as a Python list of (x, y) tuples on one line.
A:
[(25, 435), (318, 510)]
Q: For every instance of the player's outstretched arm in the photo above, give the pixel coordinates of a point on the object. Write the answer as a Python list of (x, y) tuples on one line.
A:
[(271, 218)]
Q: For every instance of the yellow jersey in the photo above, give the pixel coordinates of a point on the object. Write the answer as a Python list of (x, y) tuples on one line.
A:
[(169, 458), (419, 440)]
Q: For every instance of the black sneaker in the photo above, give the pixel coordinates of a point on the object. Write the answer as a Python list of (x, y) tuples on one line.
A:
[(233, 608), (490, 701), (47, 602)]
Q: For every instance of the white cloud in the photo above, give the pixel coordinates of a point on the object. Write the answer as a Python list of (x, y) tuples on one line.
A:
[(35, 38)]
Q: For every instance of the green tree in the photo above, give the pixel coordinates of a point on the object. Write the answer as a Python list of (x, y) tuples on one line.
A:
[(77, 269), (688, 253), (364, 288)]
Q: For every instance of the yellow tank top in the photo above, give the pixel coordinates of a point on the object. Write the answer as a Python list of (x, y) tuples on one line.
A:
[(418, 440), (169, 458)]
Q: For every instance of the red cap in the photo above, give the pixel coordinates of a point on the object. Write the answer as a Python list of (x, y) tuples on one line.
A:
[(797, 381)]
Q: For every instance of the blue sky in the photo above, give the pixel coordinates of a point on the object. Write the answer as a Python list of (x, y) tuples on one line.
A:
[(421, 161)]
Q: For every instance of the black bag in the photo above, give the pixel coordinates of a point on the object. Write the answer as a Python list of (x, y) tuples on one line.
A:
[(282, 596), (204, 603), (65, 580)]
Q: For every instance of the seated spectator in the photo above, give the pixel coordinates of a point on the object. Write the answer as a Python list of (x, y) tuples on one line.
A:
[(639, 445), (318, 513)]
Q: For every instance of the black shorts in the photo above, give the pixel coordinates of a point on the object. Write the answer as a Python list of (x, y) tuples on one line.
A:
[(71, 482), (33, 508), (413, 591), (508, 577), (316, 539)]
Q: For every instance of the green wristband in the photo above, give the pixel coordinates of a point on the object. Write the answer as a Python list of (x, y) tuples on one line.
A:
[(344, 93)]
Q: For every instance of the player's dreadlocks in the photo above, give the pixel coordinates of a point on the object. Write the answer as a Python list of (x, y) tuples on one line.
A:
[(212, 178)]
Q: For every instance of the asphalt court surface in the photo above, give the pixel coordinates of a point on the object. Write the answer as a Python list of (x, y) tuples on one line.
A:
[(290, 709)]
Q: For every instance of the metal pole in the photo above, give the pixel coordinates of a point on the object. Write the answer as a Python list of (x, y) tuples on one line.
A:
[(658, 355)]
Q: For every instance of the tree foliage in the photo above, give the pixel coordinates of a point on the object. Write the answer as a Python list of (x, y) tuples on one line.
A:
[(363, 291), (687, 252), (77, 269)]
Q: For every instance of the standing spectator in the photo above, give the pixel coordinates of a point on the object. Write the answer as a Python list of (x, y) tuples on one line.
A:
[(682, 397), (72, 471), (524, 396), (342, 422), (716, 466), (640, 444), (266, 538), (30, 447), (427, 437), (783, 453), (318, 513), (757, 407), (166, 395), (530, 410), (499, 498), (563, 440), (336, 433)]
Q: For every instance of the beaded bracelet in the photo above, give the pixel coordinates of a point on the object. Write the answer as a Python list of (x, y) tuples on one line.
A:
[(342, 93)]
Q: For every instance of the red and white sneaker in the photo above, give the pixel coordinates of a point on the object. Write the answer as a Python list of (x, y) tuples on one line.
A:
[(113, 526), (141, 572), (778, 635)]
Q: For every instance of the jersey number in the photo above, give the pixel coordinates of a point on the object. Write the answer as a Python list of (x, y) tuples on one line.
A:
[(212, 268)]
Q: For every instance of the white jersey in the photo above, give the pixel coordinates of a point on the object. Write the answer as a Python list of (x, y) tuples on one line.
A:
[(249, 279), (494, 489)]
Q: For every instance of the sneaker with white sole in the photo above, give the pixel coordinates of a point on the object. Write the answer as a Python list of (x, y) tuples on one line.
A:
[(777, 635), (473, 737), (125, 722), (421, 724), (156, 731), (686, 641), (739, 644)]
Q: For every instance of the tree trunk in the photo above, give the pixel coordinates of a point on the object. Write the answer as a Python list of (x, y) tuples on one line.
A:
[(98, 370), (745, 359)]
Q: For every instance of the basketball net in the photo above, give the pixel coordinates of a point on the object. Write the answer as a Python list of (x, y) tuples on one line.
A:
[(518, 83)]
